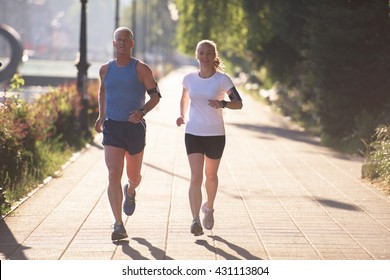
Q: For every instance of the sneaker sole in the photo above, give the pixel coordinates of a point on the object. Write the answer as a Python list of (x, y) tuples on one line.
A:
[(197, 232), (207, 227), (118, 236)]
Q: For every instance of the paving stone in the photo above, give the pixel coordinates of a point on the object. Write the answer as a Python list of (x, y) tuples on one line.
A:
[(282, 196)]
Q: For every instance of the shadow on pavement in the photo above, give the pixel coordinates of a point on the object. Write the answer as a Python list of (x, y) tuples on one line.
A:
[(9, 245), (295, 135), (230, 194), (338, 204), (165, 171), (133, 254), (239, 250), (214, 250), (157, 253), (267, 132), (97, 145)]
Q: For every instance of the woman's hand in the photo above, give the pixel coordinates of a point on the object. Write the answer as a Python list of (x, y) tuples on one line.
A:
[(216, 104), (180, 121)]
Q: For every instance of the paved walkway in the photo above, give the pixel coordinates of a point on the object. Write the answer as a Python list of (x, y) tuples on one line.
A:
[(282, 196)]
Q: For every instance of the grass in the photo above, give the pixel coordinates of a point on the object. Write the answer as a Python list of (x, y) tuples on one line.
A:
[(54, 157)]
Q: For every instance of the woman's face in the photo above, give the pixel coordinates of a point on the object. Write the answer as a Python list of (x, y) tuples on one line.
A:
[(206, 55)]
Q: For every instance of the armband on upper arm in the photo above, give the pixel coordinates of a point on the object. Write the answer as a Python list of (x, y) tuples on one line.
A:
[(154, 91), (234, 94)]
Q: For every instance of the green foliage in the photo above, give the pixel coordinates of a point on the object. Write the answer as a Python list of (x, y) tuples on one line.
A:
[(220, 21), (329, 58), (275, 36), (56, 114), (17, 143), (16, 82), (377, 165), (332, 53), (36, 139), (346, 59)]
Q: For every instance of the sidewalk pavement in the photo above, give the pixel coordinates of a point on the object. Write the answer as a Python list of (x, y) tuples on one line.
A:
[(282, 195)]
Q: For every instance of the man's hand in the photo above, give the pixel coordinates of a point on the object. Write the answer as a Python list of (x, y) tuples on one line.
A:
[(98, 125), (136, 116)]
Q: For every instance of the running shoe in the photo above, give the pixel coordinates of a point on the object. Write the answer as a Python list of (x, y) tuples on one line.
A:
[(208, 218), (129, 204), (196, 228), (119, 232)]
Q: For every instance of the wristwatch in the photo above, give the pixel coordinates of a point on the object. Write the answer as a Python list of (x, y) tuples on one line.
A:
[(224, 103), (142, 110)]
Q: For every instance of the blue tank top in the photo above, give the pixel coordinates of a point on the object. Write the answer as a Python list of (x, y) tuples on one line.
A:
[(124, 91)]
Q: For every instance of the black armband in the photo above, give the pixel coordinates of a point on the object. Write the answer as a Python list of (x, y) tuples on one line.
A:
[(235, 95), (154, 91)]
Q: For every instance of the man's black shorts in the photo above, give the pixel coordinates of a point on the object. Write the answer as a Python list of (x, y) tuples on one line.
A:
[(125, 135)]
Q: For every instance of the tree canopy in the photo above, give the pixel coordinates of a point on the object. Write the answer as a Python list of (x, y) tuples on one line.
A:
[(334, 52)]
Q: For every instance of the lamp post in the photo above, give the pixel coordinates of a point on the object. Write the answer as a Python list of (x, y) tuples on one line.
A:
[(133, 23), (117, 14), (116, 18), (82, 67)]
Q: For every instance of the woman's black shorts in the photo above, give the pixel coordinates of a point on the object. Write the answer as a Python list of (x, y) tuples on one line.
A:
[(211, 146)]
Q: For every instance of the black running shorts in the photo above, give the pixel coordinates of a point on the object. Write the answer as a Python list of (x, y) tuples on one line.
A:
[(125, 135), (211, 146)]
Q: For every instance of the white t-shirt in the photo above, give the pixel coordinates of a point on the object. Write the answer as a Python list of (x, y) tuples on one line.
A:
[(204, 120)]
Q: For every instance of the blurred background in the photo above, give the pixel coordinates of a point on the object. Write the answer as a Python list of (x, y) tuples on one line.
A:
[(50, 32), (323, 64)]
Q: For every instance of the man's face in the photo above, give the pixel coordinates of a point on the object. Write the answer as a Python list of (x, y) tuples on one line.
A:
[(123, 42)]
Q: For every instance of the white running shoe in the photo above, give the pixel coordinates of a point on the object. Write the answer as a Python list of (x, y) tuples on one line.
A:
[(208, 218)]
